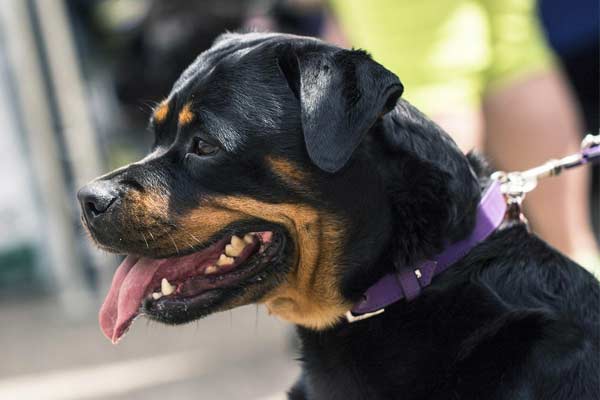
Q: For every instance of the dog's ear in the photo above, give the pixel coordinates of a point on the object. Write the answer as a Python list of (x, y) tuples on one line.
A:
[(341, 94)]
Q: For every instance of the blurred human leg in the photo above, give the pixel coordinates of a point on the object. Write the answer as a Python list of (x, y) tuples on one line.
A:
[(528, 122)]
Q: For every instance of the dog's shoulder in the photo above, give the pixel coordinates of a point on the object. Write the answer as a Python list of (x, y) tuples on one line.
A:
[(541, 321), (525, 271)]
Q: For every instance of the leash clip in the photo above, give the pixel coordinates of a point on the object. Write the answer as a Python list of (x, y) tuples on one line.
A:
[(514, 186), (590, 141)]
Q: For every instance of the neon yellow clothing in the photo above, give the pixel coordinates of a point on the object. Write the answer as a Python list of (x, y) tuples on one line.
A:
[(447, 52)]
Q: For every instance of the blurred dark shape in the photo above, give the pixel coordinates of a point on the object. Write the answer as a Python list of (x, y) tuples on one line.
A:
[(151, 42), (305, 18), (573, 30), (18, 273)]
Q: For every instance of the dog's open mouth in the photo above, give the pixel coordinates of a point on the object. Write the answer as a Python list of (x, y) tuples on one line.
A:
[(141, 283)]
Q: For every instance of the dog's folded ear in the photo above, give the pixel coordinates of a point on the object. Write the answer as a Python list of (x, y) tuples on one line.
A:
[(341, 94)]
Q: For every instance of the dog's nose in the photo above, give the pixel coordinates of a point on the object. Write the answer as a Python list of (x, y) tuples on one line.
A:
[(96, 198)]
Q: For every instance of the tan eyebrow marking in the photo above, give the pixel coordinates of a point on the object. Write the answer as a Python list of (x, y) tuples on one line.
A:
[(186, 115), (161, 112)]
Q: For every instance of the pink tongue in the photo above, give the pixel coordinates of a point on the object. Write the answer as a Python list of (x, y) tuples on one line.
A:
[(128, 288)]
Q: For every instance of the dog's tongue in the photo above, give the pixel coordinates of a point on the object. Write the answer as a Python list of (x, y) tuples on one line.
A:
[(129, 285)]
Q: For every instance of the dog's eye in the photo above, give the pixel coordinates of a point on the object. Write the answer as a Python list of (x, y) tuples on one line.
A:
[(203, 148)]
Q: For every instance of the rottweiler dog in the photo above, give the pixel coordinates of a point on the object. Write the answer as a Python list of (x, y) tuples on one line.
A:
[(289, 172)]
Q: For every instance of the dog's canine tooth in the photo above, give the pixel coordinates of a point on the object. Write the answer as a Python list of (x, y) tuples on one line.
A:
[(211, 269), (248, 238), (224, 260), (157, 295), (166, 288)]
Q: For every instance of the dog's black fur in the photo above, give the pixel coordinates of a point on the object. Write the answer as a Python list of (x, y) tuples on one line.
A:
[(514, 319)]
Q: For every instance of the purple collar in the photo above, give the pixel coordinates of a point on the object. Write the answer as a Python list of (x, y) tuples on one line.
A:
[(409, 281)]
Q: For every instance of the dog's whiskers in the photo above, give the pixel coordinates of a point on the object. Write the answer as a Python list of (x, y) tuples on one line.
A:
[(145, 241), (195, 240), (190, 244), (174, 244), (193, 237), (147, 106)]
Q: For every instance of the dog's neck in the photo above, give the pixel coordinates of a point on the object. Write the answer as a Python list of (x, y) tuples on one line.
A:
[(407, 281), (432, 187)]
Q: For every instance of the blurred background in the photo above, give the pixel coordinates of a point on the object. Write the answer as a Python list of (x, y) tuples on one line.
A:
[(515, 79)]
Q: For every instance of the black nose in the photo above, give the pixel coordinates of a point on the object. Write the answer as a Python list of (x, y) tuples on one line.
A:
[(96, 198)]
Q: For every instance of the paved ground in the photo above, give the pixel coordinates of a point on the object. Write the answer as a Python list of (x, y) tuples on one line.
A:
[(239, 355)]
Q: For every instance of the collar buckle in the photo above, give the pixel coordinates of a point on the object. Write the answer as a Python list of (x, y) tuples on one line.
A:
[(351, 318)]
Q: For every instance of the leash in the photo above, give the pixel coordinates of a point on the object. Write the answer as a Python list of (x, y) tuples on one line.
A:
[(500, 202), (515, 185)]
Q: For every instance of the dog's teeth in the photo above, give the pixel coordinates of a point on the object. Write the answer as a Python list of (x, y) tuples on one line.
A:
[(166, 288), (224, 260), (211, 269), (232, 251), (156, 295), (237, 242), (248, 238), (236, 247), (229, 250)]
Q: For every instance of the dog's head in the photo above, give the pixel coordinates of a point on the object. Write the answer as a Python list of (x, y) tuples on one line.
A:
[(261, 187)]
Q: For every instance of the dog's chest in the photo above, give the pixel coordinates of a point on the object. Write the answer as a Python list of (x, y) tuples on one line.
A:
[(361, 366)]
